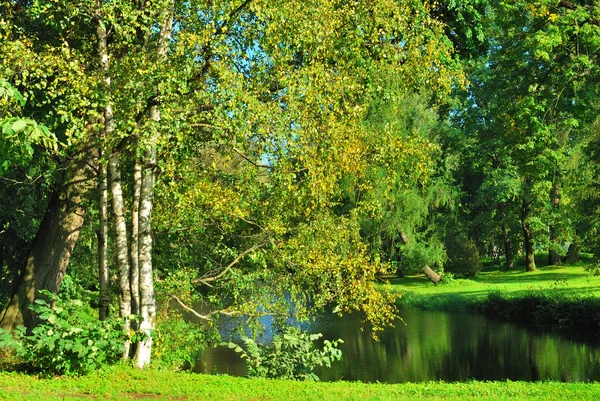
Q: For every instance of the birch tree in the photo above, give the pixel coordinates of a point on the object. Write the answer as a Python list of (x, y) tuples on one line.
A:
[(281, 81)]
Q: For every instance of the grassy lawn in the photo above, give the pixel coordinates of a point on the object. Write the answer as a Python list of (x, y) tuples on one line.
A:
[(129, 384), (569, 280)]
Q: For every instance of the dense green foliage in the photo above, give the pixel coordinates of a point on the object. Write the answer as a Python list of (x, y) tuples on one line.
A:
[(292, 354), (179, 343), (553, 308), (463, 257), (69, 340)]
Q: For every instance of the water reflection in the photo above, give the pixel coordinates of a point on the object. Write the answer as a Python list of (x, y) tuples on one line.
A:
[(444, 346)]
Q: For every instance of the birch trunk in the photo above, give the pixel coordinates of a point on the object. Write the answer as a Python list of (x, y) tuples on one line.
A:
[(107, 129), (121, 244), (134, 272), (104, 301), (147, 299)]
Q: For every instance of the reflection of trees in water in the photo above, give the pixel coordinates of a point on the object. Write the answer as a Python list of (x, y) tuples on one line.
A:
[(442, 346), (449, 346)]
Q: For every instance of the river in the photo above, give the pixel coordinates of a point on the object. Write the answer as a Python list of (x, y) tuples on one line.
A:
[(444, 346)]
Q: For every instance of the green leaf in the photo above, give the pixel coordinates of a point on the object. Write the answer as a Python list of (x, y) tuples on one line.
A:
[(19, 125)]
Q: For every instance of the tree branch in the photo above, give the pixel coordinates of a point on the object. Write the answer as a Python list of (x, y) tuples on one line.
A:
[(243, 156), (209, 316), (206, 280), (191, 310)]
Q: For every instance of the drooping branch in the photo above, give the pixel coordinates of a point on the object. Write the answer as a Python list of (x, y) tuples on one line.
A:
[(190, 310), (208, 279), (225, 312)]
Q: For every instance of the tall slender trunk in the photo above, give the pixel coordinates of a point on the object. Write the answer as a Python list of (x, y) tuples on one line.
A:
[(134, 271), (103, 276), (508, 252), (107, 129), (55, 239), (553, 256), (527, 238), (147, 300), (122, 250)]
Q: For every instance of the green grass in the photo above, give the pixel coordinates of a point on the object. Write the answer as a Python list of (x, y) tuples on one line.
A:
[(129, 384), (461, 293)]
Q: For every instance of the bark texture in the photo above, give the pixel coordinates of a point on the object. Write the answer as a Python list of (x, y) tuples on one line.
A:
[(134, 272), (147, 299), (55, 239), (431, 275), (107, 129), (103, 276), (122, 249)]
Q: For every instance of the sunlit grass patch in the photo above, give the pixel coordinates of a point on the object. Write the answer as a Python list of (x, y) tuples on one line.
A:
[(124, 383), (575, 280)]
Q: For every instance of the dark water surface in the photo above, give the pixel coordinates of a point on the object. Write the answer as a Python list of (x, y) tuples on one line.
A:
[(444, 346)]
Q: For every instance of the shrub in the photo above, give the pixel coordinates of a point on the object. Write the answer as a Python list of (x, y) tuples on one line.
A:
[(292, 355), (463, 257), (447, 278), (178, 344), (70, 340)]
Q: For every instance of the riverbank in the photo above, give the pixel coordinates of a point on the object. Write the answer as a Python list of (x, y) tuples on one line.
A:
[(124, 383), (557, 295)]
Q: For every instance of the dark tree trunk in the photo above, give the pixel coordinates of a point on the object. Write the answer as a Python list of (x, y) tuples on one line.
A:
[(508, 253), (490, 249), (53, 244), (553, 256), (573, 253), (527, 238)]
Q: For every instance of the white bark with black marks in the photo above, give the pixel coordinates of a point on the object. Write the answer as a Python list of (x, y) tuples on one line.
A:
[(134, 271), (103, 273), (147, 298), (122, 250)]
